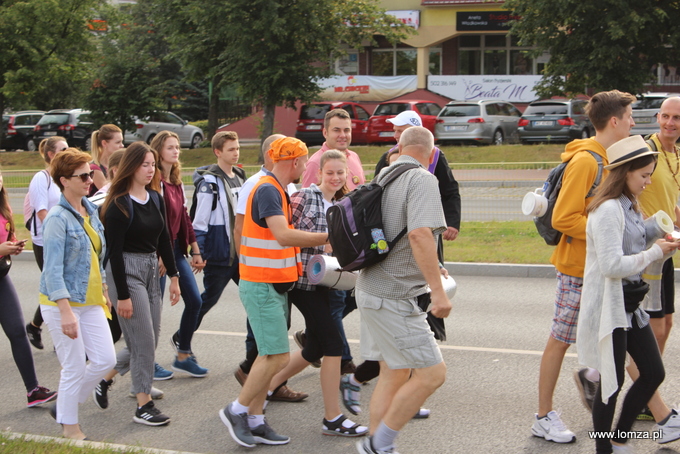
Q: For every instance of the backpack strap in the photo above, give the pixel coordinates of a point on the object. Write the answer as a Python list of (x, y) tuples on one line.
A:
[(598, 178), (387, 180)]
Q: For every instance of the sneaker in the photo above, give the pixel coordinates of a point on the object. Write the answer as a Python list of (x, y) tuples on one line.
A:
[(238, 426), (240, 376), (161, 373), (622, 449), (150, 415), (267, 436), (645, 415), (100, 394), (301, 340), (423, 413), (343, 427), (351, 395), (586, 388), (34, 336), (156, 394), (670, 431), (40, 395), (174, 341), (366, 447), (552, 428), (285, 394), (190, 367)]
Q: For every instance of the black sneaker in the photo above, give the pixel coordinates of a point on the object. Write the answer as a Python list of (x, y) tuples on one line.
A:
[(34, 336), (174, 341), (100, 394), (40, 395), (150, 415), (645, 415)]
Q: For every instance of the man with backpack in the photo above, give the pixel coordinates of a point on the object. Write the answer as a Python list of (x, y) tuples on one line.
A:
[(611, 114), (411, 364)]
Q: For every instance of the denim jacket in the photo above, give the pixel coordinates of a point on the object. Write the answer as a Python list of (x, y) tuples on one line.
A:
[(66, 252)]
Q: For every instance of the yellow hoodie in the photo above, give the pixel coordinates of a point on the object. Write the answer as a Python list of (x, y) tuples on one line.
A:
[(569, 215)]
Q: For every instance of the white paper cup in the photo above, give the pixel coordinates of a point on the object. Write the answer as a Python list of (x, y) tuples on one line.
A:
[(534, 204)]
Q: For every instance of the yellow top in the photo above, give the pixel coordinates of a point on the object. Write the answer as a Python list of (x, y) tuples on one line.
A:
[(95, 295), (663, 193)]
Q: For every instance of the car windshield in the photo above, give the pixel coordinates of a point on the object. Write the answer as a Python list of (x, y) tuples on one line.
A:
[(392, 108), (54, 119), (648, 103), (546, 109), (461, 110), (314, 112)]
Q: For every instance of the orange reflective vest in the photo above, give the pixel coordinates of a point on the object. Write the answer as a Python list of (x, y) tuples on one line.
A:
[(261, 257)]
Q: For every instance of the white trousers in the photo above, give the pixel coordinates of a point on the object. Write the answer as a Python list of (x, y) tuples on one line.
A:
[(80, 373)]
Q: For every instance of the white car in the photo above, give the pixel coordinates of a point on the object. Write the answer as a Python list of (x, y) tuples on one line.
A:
[(189, 136), (645, 110)]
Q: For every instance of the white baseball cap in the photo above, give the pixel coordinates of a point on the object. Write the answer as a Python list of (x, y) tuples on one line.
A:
[(407, 117)]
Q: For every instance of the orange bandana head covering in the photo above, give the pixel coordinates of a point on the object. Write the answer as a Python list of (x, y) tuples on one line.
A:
[(287, 148)]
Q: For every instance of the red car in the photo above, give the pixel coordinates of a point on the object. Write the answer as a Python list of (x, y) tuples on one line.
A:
[(379, 130), (310, 122)]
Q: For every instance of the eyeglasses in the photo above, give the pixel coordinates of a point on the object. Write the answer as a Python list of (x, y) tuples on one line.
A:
[(85, 176)]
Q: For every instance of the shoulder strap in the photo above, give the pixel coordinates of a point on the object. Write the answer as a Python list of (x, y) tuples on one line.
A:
[(598, 178), (49, 178), (396, 173)]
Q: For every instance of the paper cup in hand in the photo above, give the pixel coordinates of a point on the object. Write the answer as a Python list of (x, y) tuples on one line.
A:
[(534, 204)]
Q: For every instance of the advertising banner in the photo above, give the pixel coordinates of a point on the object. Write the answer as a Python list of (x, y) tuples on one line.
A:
[(366, 88), (473, 88)]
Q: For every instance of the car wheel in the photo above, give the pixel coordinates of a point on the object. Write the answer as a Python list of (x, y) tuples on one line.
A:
[(150, 139), (88, 144), (585, 134), (30, 145), (498, 137), (196, 141)]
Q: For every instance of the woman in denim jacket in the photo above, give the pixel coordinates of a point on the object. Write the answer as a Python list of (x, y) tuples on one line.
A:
[(74, 299)]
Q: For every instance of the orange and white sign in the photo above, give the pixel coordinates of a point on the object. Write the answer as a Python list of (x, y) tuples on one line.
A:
[(366, 88)]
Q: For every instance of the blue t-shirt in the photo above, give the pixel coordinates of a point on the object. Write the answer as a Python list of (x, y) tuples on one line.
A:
[(266, 202)]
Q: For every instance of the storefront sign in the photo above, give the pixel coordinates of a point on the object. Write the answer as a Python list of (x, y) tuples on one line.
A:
[(409, 17), (366, 88), (474, 88), (487, 21)]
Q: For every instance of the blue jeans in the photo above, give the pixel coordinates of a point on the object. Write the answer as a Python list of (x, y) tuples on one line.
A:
[(215, 279), (191, 297), (337, 302)]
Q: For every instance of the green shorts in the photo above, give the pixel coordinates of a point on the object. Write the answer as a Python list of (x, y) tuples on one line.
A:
[(267, 313)]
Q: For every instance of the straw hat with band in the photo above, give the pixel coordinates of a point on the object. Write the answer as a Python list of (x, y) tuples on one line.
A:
[(627, 149)]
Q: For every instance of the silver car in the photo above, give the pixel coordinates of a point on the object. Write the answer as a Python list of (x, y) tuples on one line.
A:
[(645, 110), (189, 136), (485, 121)]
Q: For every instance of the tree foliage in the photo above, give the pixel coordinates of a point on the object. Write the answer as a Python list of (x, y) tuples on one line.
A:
[(602, 45)]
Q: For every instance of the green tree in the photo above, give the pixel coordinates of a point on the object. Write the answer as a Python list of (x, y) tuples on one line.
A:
[(601, 45)]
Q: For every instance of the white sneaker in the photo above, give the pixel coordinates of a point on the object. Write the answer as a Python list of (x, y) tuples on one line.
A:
[(552, 428), (155, 394), (622, 449), (669, 431)]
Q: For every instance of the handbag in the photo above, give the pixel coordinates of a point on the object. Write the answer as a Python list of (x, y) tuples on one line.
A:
[(5, 265), (633, 294)]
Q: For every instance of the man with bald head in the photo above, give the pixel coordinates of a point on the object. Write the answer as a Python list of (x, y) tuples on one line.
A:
[(394, 331)]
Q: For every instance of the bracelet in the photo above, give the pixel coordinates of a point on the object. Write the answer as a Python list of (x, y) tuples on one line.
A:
[(106, 287), (192, 253)]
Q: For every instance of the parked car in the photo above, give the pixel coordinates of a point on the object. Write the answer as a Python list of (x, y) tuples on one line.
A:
[(379, 130), (645, 111), (484, 121), (17, 130), (555, 120), (189, 136), (310, 121), (72, 124)]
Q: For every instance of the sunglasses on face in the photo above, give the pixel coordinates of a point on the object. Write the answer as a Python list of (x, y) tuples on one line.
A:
[(84, 176)]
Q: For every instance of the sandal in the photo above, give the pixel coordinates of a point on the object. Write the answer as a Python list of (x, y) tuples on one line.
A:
[(339, 428)]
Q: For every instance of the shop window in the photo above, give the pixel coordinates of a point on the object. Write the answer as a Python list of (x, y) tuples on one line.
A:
[(495, 55), (520, 62), (348, 65), (470, 62), (382, 63), (495, 61), (494, 41), (406, 62), (394, 62), (435, 67)]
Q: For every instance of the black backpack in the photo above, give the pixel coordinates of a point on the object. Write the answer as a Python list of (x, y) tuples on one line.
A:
[(551, 191), (355, 224)]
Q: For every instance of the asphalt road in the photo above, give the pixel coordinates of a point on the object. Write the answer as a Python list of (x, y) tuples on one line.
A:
[(497, 331)]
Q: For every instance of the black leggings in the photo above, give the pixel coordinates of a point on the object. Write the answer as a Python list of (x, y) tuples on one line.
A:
[(323, 337), (642, 346), (38, 254), (12, 321)]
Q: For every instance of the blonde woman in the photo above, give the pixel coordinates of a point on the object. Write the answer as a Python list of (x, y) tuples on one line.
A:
[(105, 141)]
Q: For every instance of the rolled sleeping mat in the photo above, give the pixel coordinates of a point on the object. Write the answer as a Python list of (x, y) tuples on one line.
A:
[(325, 270)]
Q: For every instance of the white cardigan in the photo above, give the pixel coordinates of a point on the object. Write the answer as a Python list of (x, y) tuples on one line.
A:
[(602, 309)]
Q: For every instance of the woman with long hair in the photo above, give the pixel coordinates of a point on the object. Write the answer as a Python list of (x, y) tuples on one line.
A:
[(73, 295), (611, 321), (136, 232), (182, 234), (105, 141), (43, 195), (11, 317), (323, 339)]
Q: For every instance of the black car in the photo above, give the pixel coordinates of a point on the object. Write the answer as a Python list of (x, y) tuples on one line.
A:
[(72, 124), (17, 130), (555, 120)]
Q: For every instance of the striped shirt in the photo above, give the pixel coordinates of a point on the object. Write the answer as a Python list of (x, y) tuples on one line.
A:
[(634, 241)]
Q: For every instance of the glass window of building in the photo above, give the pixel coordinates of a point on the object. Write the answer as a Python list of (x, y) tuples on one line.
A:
[(494, 54), (435, 68)]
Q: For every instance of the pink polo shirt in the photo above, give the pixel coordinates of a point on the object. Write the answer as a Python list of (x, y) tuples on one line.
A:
[(355, 173)]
